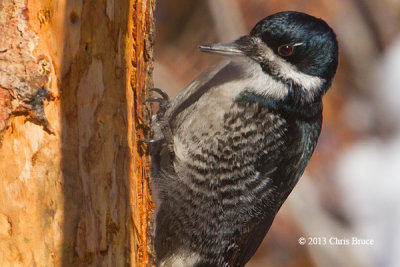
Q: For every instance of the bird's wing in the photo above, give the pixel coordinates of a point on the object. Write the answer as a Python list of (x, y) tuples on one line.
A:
[(222, 72)]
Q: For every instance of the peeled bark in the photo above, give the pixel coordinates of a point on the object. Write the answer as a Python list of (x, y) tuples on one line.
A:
[(73, 178)]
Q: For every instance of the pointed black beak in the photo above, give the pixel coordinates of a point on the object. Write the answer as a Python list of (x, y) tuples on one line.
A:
[(226, 49)]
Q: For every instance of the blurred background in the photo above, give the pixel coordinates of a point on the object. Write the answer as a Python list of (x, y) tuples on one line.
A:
[(351, 186)]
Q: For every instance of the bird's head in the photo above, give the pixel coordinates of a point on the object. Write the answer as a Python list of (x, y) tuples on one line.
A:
[(294, 48)]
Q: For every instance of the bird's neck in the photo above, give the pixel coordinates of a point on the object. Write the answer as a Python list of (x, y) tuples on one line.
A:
[(289, 106)]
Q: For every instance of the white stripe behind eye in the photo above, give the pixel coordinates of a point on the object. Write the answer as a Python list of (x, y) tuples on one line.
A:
[(297, 44)]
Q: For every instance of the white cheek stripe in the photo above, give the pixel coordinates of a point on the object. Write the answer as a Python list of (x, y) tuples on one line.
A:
[(290, 72), (258, 81)]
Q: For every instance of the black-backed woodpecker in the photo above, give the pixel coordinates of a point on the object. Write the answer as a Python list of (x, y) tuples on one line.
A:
[(228, 150)]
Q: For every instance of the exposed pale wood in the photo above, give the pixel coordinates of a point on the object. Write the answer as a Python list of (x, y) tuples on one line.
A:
[(73, 187)]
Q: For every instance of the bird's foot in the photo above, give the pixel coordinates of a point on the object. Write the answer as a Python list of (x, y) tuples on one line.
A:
[(158, 124), (151, 141), (163, 100)]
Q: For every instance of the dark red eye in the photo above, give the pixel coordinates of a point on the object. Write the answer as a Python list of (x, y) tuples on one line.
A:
[(285, 50)]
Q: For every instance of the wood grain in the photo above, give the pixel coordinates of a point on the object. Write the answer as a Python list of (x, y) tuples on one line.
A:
[(73, 179)]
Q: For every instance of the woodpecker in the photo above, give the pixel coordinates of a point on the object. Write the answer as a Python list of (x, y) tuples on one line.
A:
[(228, 150)]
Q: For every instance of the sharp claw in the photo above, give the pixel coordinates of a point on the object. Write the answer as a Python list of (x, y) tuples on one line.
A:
[(150, 141), (161, 93), (155, 99)]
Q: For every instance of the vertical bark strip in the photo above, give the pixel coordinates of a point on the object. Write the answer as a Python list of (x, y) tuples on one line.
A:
[(73, 188), (141, 64)]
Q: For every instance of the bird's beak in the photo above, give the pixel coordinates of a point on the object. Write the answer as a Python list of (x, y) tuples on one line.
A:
[(226, 49)]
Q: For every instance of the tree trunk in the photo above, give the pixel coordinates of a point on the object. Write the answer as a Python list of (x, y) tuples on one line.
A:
[(73, 187)]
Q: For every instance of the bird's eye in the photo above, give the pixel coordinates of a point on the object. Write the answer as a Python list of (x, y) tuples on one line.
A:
[(286, 50)]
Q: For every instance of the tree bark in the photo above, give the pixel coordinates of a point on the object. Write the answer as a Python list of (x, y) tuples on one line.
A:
[(73, 178)]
